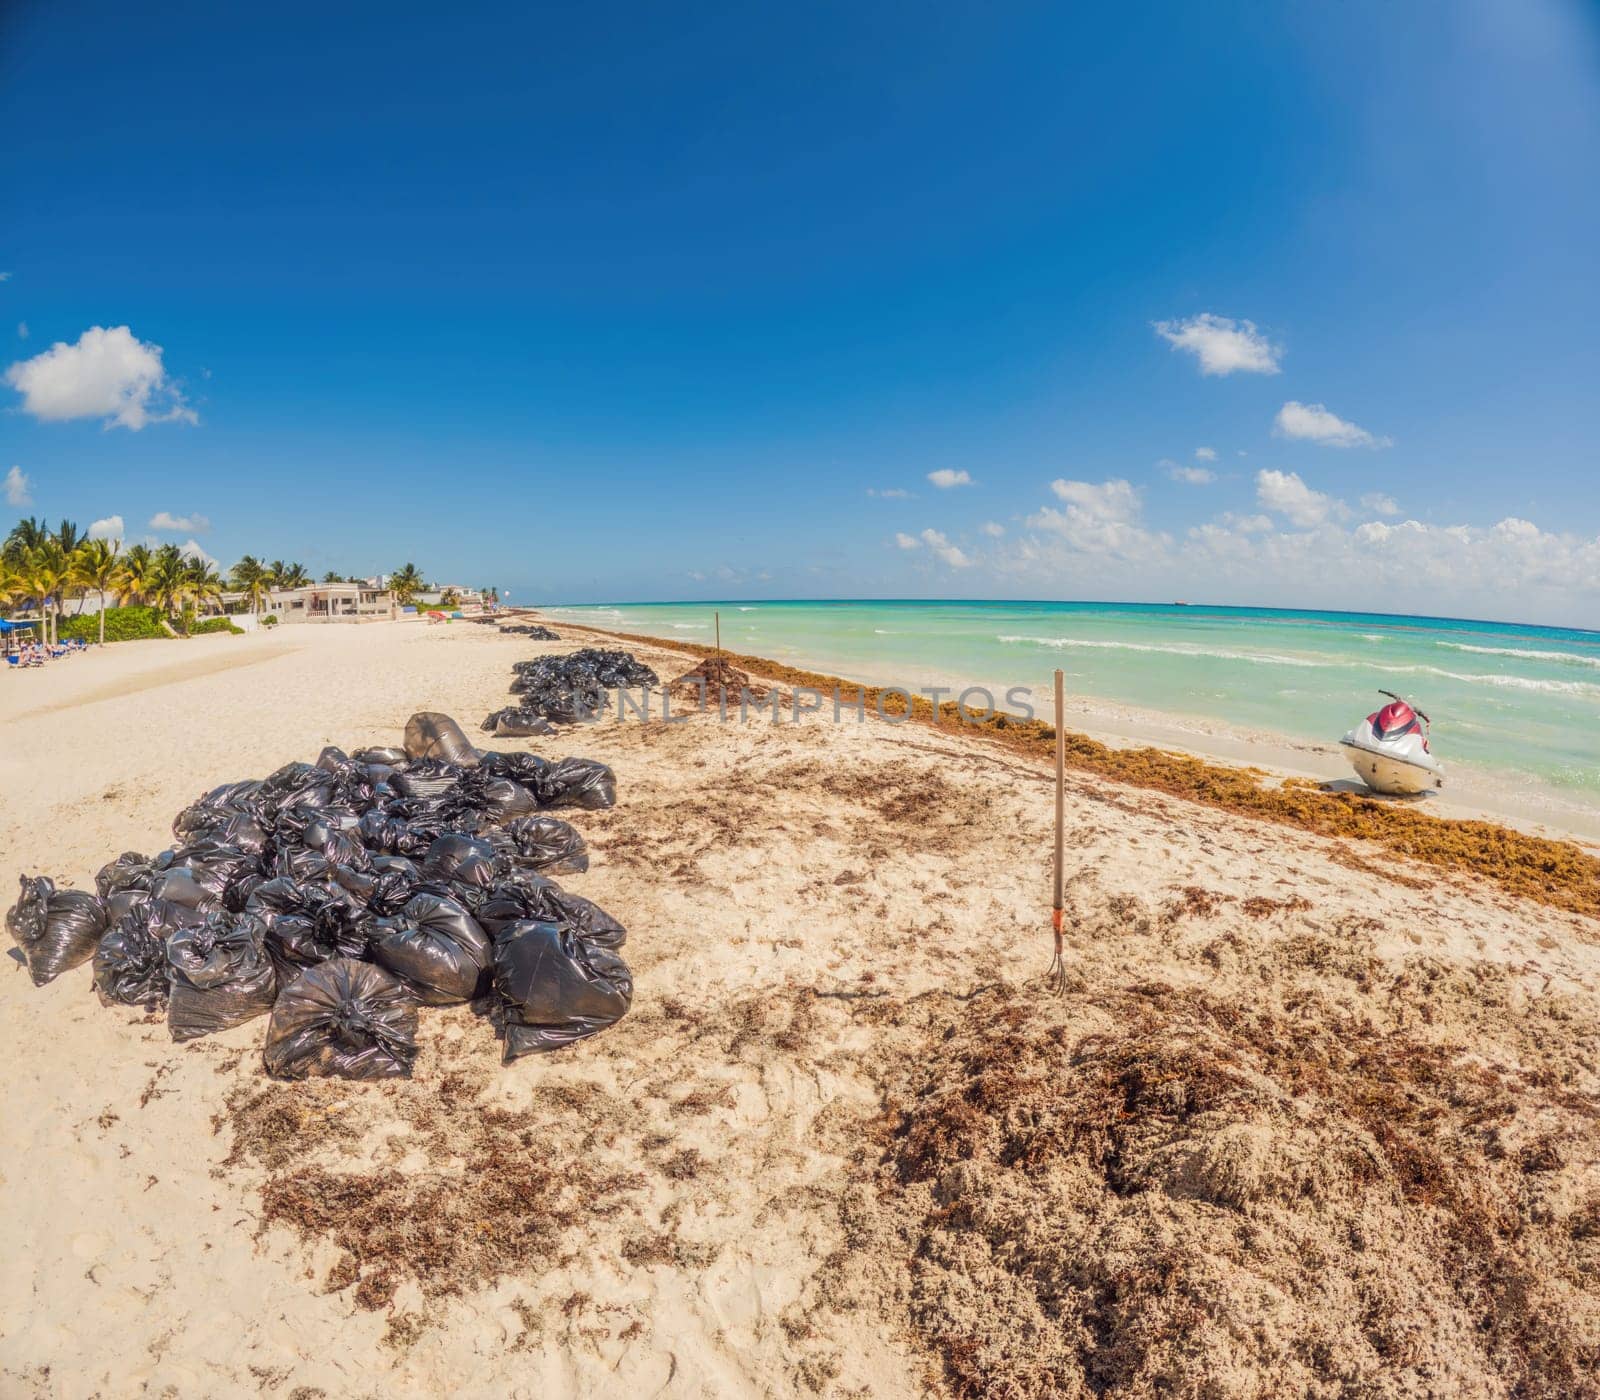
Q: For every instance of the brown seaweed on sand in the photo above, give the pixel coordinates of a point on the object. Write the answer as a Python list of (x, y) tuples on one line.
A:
[(1158, 1192)]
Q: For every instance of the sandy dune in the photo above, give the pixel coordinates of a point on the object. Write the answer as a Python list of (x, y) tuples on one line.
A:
[(842, 1145)]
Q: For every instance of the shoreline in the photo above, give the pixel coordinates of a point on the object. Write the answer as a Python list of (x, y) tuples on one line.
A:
[(1472, 793), (1562, 872)]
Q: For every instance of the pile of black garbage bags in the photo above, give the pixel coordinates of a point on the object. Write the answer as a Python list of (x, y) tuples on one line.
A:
[(337, 897), (565, 689), (530, 630)]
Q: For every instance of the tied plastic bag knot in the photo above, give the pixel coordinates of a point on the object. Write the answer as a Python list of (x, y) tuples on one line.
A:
[(221, 975), (56, 929), (343, 1018)]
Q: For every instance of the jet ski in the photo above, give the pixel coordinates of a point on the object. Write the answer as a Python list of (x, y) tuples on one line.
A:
[(1389, 750)]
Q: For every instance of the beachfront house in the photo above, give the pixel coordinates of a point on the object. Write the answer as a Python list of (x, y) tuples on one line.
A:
[(362, 601), (452, 596)]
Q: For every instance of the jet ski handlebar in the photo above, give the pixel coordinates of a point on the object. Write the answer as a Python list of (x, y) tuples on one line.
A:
[(1404, 701)]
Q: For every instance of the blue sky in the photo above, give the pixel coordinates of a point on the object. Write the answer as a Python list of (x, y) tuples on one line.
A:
[(637, 301)]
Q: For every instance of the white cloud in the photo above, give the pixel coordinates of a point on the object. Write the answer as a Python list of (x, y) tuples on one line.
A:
[(944, 478), (106, 374), (946, 551), (22, 330), (906, 541), (1380, 504), (892, 493), (1101, 519), (1284, 493), (179, 524), (17, 488), (1222, 345), (1192, 476), (1110, 500), (1245, 524), (1205, 454), (697, 576), (1513, 569), (190, 549), (110, 528), (5, 276), (1312, 422), (993, 529)]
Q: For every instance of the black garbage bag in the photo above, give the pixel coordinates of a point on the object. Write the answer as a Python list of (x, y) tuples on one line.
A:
[(552, 988), (181, 885), (130, 965), (298, 863), (122, 903), (343, 1019), (391, 831), (387, 757), (528, 896), (577, 782), (239, 890), (548, 844), (561, 701), (56, 929), (338, 836), (382, 886), (436, 947), (468, 860), (302, 784), (306, 924), (427, 778), (431, 735), (491, 796), (526, 768), (212, 865), (129, 871), (241, 831), (515, 722), (217, 806), (221, 975)]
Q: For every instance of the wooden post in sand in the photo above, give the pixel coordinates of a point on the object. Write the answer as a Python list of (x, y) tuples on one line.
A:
[(717, 617), (1058, 968)]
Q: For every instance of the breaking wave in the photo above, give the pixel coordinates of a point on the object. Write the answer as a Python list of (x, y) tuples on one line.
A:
[(1565, 658), (1262, 658), (1508, 682)]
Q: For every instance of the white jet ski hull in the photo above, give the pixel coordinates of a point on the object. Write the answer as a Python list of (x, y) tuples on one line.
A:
[(1384, 773)]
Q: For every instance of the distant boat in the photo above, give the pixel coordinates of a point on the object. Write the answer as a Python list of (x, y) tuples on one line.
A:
[(1180, 604)]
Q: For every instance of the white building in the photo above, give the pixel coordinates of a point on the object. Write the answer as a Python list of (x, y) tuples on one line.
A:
[(323, 602)]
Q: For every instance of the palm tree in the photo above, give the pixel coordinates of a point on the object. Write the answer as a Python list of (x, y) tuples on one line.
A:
[(164, 587), (202, 583), (97, 566), (406, 583), (196, 584), (333, 576), (277, 571), (295, 576), (250, 576), (15, 586), (133, 579), (51, 568), (68, 536), (26, 536)]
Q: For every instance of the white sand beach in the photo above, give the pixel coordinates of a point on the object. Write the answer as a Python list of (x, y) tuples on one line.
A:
[(757, 1183)]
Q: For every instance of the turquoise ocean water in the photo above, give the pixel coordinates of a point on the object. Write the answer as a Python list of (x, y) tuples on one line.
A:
[(1513, 704)]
